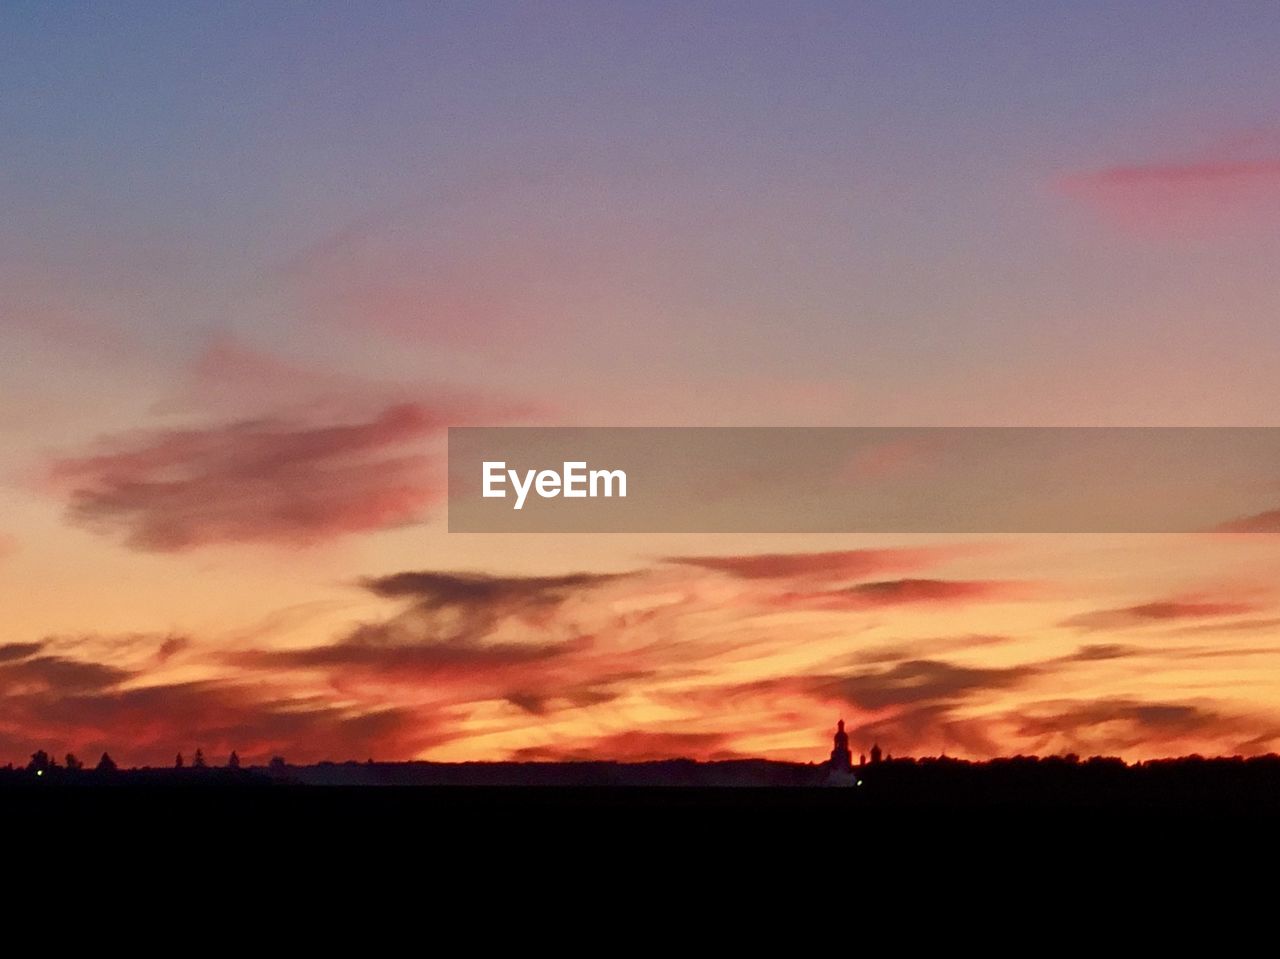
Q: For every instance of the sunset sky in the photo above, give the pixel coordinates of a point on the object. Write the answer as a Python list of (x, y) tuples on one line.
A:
[(255, 259)]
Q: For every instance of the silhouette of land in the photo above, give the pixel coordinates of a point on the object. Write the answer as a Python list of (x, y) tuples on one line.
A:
[(739, 804), (1249, 785), (1050, 813)]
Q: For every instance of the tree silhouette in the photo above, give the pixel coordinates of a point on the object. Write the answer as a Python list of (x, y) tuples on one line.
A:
[(178, 763), (198, 762), (72, 763), (277, 764), (40, 762), (106, 764), (234, 761)]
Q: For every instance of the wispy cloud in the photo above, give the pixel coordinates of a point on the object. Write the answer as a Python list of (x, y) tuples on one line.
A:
[(1224, 186), (256, 481), (843, 565), (908, 592), (1183, 174), (644, 664), (88, 707), (1121, 725), (916, 682), (1163, 611)]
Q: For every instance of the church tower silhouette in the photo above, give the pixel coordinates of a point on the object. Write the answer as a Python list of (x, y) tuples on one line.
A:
[(841, 757)]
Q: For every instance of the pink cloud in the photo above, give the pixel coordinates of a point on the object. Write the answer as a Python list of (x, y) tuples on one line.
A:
[(1179, 197), (257, 481)]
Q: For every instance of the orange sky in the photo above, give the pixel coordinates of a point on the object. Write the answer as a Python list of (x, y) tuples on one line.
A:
[(253, 264)]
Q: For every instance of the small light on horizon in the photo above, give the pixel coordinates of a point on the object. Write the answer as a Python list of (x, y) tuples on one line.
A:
[(39, 772)]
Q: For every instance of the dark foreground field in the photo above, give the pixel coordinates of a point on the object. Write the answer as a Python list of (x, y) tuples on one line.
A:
[(427, 805), (250, 836)]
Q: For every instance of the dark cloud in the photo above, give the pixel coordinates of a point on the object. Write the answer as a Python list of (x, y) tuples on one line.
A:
[(1123, 724), (905, 592), (1105, 651), (438, 589), (845, 565), (11, 651), (464, 608), (58, 675), (171, 646), (1100, 651), (1158, 612), (1145, 717), (256, 481), (916, 682), (470, 637), (924, 730)]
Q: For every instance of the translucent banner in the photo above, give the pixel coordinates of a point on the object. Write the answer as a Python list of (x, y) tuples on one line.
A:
[(864, 480)]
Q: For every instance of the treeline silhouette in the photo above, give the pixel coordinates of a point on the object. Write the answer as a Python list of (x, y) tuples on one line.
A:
[(44, 769), (1247, 783), (1098, 782)]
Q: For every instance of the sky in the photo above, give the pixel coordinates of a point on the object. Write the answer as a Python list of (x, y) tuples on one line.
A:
[(256, 258)]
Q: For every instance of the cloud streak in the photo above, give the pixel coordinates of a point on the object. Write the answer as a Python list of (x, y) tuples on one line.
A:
[(1164, 611), (256, 481), (907, 592), (841, 565), (1169, 196), (1122, 725)]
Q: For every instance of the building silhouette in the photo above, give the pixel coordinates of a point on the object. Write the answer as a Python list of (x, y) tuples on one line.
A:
[(840, 768), (841, 757)]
